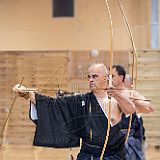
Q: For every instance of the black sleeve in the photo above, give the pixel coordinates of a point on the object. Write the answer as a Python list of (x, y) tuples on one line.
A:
[(56, 124)]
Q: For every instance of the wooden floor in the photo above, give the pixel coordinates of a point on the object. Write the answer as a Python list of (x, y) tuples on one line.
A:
[(10, 152)]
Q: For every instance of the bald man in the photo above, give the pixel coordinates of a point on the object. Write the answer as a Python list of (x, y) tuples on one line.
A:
[(61, 122)]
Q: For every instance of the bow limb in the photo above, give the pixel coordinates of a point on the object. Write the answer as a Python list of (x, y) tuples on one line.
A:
[(134, 59), (53, 74), (61, 79), (59, 89), (46, 83), (110, 77), (132, 42), (11, 108)]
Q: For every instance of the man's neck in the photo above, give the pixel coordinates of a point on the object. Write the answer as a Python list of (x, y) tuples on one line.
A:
[(120, 86), (100, 93)]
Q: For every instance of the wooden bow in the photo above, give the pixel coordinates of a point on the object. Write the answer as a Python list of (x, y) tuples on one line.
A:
[(110, 78), (134, 58), (10, 111)]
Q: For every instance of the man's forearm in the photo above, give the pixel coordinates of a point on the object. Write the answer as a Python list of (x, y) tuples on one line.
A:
[(126, 105), (143, 106)]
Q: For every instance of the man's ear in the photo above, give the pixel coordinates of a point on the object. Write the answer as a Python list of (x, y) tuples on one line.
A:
[(105, 78), (121, 77)]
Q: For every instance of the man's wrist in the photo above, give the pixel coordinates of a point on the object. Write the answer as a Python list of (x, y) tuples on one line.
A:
[(26, 95)]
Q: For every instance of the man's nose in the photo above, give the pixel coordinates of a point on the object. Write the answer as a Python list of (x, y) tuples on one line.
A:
[(90, 79)]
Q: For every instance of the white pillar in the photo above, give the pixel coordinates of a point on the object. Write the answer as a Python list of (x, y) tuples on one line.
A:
[(159, 23), (154, 24)]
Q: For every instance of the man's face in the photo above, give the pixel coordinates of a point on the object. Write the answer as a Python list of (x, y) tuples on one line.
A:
[(116, 79), (128, 84), (97, 79)]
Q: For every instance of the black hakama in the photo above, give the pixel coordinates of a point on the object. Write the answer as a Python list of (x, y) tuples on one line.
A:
[(134, 149)]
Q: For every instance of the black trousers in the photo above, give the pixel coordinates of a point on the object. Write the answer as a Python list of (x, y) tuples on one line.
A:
[(90, 152)]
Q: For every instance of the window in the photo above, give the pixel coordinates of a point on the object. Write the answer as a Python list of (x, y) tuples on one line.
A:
[(63, 8)]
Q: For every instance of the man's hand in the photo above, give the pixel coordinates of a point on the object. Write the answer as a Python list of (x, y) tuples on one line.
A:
[(18, 89), (111, 91), (21, 91)]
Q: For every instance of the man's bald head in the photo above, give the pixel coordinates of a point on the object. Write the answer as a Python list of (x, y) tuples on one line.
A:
[(99, 67)]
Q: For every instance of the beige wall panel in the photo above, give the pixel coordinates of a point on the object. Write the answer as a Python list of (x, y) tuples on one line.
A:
[(28, 25), (148, 85)]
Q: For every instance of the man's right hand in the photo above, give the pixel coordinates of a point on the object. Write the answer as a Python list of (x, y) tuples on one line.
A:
[(22, 92), (19, 89)]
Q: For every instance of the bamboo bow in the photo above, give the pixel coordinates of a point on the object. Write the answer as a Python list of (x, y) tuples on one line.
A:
[(134, 58), (110, 78), (10, 111), (134, 73)]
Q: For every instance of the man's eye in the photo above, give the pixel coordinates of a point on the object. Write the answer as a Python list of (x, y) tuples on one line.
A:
[(89, 76), (95, 76)]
